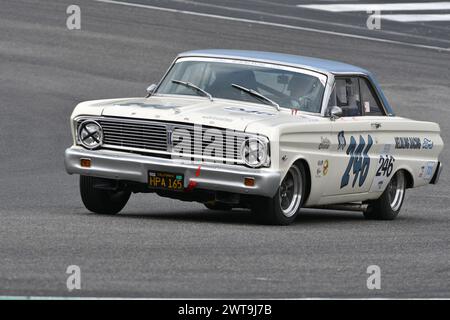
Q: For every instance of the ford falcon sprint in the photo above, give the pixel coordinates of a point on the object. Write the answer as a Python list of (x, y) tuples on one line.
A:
[(270, 132)]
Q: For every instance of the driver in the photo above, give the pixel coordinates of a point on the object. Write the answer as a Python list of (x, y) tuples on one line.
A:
[(300, 89)]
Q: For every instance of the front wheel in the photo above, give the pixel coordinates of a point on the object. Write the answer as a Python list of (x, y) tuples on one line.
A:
[(283, 208), (388, 205), (101, 200)]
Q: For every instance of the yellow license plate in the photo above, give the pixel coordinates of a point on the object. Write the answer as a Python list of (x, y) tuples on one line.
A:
[(166, 180)]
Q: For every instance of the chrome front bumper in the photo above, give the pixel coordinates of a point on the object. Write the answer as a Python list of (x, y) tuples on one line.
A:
[(133, 167)]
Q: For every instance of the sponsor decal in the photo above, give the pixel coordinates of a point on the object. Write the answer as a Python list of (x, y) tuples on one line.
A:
[(429, 170), (426, 171), (359, 162), (427, 144), (421, 171), (325, 167), (322, 168), (324, 143), (319, 168), (319, 172), (407, 143), (341, 141)]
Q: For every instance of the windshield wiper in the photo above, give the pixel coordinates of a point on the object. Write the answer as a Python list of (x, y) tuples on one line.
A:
[(194, 87), (257, 95)]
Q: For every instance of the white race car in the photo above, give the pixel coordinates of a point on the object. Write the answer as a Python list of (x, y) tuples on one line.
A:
[(266, 131)]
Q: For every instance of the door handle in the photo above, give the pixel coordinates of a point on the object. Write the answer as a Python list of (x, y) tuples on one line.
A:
[(376, 125)]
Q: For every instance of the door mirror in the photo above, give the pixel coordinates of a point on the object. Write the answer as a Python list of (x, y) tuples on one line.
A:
[(335, 113), (151, 89)]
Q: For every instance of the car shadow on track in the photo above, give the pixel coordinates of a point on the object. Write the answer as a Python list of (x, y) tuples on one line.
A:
[(245, 217)]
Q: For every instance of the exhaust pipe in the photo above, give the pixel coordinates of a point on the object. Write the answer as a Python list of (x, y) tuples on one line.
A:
[(344, 207)]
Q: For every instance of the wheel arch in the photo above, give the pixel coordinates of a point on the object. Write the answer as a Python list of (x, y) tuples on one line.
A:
[(409, 178), (307, 178)]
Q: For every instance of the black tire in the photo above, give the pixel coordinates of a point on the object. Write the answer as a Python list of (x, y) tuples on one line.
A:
[(99, 200), (218, 206), (389, 204), (273, 210)]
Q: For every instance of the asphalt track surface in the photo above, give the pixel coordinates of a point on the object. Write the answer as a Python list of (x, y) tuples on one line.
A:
[(159, 248)]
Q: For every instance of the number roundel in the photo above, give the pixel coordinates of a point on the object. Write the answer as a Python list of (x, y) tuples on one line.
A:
[(385, 166)]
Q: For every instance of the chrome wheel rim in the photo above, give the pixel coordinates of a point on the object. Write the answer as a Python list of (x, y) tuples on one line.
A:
[(396, 190), (290, 192)]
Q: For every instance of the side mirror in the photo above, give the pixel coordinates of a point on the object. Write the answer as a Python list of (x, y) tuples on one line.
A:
[(151, 89), (335, 113)]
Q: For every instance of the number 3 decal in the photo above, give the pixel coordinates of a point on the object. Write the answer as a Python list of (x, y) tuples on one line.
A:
[(359, 161)]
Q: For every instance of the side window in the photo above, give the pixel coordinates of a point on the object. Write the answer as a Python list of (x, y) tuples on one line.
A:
[(348, 96), (370, 102)]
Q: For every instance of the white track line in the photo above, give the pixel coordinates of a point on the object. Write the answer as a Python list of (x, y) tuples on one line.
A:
[(273, 24), (378, 6), (302, 19), (415, 17)]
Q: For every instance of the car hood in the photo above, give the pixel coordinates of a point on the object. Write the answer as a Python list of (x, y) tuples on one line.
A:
[(198, 110)]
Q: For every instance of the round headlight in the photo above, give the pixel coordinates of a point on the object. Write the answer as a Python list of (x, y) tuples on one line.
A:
[(254, 152), (90, 134)]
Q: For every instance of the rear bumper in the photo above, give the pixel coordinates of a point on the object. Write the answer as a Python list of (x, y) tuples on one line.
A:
[(437, 174), (132, 167)]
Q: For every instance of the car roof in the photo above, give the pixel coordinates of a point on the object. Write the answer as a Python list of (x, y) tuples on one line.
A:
[(316, 64)]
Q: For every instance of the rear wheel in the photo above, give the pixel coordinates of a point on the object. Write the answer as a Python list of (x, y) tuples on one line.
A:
[(283, 208), (101, 200), (389, 204)]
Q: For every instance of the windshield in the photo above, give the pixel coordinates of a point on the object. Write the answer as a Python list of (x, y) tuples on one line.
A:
[(286, 86)]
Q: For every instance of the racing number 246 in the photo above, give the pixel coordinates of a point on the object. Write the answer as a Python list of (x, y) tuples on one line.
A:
[(359, 161)]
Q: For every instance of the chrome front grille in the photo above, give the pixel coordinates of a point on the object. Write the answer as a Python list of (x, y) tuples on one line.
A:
[(134, 134), (158, 138)]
